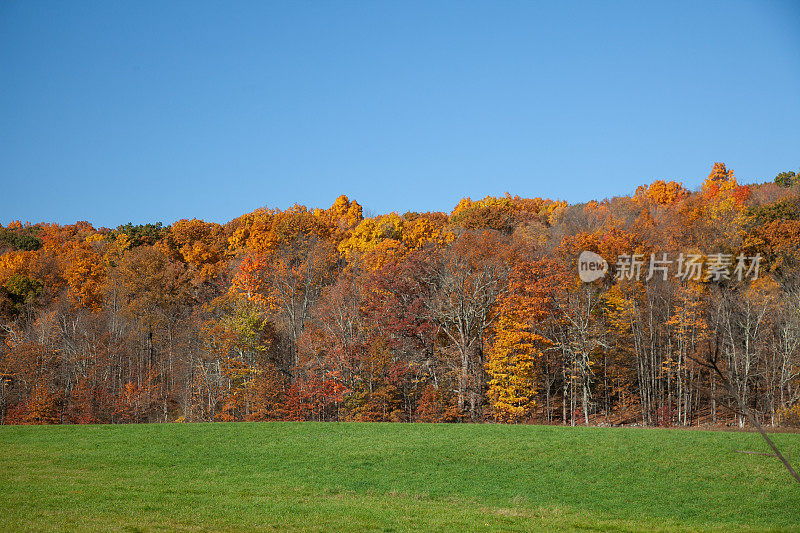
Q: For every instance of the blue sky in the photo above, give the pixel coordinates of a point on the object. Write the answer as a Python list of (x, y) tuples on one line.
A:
[(155, 111)]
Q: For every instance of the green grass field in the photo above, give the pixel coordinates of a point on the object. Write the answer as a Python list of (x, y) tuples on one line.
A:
[(389, 477)]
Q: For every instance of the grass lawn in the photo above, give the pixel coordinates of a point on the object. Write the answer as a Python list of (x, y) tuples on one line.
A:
[(390, 477)]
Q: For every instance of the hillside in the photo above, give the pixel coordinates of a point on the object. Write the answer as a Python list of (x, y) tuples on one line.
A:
[(484, 313)]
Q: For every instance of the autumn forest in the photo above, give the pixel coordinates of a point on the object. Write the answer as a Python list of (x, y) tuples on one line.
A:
[(477, 315)]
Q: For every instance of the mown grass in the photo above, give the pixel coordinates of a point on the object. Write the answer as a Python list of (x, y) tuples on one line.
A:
[(390, 477)]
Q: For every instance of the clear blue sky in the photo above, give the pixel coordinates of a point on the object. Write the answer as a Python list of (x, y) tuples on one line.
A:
[(155, 111)]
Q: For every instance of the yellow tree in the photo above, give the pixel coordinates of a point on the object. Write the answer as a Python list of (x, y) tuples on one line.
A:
[(200, 245), (516, 360), (375, 240), (511, 368), (342, 217), (724, 201), (85, 273)]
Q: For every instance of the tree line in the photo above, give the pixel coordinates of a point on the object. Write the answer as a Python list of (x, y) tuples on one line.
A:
[(474, 315)]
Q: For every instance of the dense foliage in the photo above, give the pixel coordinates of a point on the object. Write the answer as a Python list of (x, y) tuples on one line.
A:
[(474, 315)]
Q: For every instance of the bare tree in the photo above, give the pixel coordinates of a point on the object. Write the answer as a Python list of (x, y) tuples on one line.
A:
[(464, 282)]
